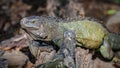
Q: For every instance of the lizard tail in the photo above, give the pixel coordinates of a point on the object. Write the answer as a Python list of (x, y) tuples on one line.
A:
[(114, 40)]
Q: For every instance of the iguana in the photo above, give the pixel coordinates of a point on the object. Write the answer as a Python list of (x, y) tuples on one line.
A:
[(89, 33)]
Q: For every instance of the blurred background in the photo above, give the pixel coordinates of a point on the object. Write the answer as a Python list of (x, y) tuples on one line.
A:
[(12, 11)]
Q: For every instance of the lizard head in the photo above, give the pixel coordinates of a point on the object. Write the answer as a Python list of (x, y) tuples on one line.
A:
[(34, 27)]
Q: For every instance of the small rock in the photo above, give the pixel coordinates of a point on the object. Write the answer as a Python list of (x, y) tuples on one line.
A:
[(3, 63), (102, 64), (113, 23), (15, 58)]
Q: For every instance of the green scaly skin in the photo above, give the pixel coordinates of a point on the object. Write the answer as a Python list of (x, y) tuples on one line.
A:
[(89, 34)]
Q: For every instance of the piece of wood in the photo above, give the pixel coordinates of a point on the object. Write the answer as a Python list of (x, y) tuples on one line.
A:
[(83, 58)]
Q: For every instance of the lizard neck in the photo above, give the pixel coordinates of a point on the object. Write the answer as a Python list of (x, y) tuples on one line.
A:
[(52, 30), (55, 32)]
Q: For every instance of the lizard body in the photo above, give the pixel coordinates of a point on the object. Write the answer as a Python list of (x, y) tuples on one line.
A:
[(89, 34)]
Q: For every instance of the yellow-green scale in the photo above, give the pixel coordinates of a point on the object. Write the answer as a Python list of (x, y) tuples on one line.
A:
[(88, 33)]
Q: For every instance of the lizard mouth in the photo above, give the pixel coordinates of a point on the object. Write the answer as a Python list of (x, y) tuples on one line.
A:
[(37, 36)]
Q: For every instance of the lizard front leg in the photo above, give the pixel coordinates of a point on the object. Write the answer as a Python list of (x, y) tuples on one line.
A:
[(34, 48), (67, 50), (70, 42)]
